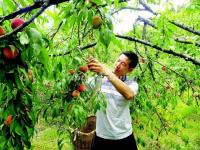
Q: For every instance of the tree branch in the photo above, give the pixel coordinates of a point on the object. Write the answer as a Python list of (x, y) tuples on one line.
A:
[(20, 11), (26, 23), (88, 46), (185, 27), (147, 7), (120, 1), (168, 68), (181, 40), (45, 5), (84, 31), (145, 48), (161, 120), (81, 48), (173, 22), (146, 21), (131, 8), (177, 39), (78, 35), (185, 57)]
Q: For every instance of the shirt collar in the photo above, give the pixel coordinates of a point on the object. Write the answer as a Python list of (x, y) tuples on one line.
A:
[(123, 78)]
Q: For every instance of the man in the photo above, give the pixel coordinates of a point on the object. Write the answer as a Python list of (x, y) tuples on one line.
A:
[(113, 127)]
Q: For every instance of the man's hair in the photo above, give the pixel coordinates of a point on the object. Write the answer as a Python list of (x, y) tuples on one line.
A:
[(132, 57)]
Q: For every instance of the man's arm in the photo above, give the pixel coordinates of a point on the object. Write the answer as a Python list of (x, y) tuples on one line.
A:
[(121, 87)]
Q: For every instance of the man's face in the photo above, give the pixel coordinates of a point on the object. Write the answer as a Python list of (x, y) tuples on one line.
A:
[(122, 65)]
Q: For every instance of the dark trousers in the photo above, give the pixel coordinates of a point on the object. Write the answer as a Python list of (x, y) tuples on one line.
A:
[(127, 143)]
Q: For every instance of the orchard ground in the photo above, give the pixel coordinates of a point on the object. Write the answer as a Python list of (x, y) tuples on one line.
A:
[(46, 134)]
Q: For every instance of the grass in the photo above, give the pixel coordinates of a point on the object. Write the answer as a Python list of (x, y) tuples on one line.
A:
[(46, 138)]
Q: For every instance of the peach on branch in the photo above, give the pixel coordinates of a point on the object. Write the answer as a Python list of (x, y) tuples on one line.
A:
[(10, 52), (16, 22), (71, 71), (30, 75), (96, 22), (157, 94), (75, 93), (164, 68), (84, 69), (2, 31), (81, 87), (8, 120)]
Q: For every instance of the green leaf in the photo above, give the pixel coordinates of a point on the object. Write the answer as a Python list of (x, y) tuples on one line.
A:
[(4, 8), (116, 2), (105, 37), (90, 16), (18, 81), (109, 23), (77, 60), (2, 87), (44, 58), (80, 16), (23, 37), (54, 113), (141, 126), (34, 36), (3, 142), (36, 49), (12, 48), (18, 129), (98, 2), (185, 139), (59, 66), (27, 54)]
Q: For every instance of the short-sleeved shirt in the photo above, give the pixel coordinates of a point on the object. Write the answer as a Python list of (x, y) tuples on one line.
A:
[(115, 123)]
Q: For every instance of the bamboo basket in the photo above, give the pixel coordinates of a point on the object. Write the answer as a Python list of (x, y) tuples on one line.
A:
[(83, 138)]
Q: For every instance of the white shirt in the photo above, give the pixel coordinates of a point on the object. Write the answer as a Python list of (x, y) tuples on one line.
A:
[(115, 123)]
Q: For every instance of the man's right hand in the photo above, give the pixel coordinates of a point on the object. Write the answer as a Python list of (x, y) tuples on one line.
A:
[(95, 66)]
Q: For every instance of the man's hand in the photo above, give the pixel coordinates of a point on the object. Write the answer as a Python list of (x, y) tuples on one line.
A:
[(95, 66)]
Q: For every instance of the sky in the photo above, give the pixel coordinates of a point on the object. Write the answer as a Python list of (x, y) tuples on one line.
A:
[(124, 20)]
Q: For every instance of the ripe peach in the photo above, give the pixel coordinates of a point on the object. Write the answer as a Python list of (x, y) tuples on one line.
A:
[(9, 54), (75, 93), (84, 69), (71, 71), (96, 22), (164, 68), (81, 87), (16, 22), (2, 31), (8, 120)]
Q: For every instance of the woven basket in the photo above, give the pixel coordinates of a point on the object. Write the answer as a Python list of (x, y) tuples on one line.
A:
[(83, 138)]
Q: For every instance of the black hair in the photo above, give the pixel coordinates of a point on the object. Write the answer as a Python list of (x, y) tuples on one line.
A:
[(132, 57)]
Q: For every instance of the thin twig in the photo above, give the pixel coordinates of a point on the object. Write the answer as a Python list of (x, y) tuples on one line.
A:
[(53, 35)]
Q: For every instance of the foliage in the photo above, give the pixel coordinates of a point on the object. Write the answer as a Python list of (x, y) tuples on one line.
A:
[(39, 81)]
